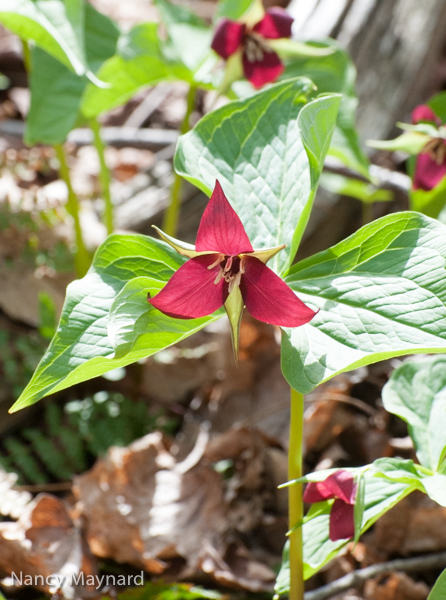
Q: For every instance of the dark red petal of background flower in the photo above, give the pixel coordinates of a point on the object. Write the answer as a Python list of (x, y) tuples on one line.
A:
[(269, 299), (227, 37), (342, 524), (275, 24), (337, 485), (424, 113), (220, 227), (190, 292), (263, 72), (427, 173)]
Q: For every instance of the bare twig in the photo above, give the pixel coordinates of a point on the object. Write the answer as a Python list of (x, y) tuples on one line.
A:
[(384, 177), (355, 579), (62, 486), (151, 139)]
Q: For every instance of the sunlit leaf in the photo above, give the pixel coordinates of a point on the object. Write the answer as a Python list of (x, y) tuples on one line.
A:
[(81, 348), (416, 392), (56, 92), (380, 293), (267, 152), (50, 25)]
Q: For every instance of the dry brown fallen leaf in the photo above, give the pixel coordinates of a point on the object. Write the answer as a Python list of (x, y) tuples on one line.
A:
[(395, 586), (45, 542), (143, 508), (416, 524)]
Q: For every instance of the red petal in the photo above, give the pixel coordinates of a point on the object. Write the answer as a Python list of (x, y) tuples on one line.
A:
[(424, 113), (220, 228), (315, 492), (191, 292), (275, 24), (337, 485), (342, 524), (259, 73), (228, 37), (269, 299), (427, 173)]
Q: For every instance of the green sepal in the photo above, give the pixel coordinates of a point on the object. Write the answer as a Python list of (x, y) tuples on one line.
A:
[(411, 142), (359, 505), (182, 248), (266, 254), (233, 72), (287, 48), (234, 309)]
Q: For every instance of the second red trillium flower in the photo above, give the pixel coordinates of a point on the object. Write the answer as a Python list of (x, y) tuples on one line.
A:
[(341, 487), (430, 167), (261, 64), (225, 270)]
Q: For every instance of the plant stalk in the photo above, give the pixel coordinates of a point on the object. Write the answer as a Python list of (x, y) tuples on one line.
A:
[(171, 216), (104, 176), (81, 258), (296, 509)]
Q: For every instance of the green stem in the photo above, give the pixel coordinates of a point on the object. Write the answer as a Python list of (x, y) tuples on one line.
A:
[(104, 175), (296, 509), (26, 56), (170, 221), (81, 258)]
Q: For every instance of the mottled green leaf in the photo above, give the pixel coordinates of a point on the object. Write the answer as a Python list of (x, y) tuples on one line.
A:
[(416, 392), (137, 64), (267, 152), (81, 348), (379, 497), (51, 25), (56, 91), (335, 73), (380, 293)]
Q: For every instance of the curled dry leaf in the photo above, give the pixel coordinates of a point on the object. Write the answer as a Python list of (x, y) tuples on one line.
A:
[(143, 508), (417, 524), (45, 542), (395, 586)]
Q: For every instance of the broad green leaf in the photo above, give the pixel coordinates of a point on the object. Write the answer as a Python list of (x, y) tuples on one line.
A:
[(405, 471), (189, 36), (438, 592), (138, 64), (232, 9), (416, 392), (411, 142), (438, 105), (135, 325), (267, 151), (51, 24), (81, 348), (361, 190), (430, 203), (335, 73), (435, 487), (56, 91), (380, 293), (379, 497)]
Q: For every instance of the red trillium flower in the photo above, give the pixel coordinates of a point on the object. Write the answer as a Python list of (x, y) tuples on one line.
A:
[(224, 269), (430, 167), (341, 487), (261, 64)]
